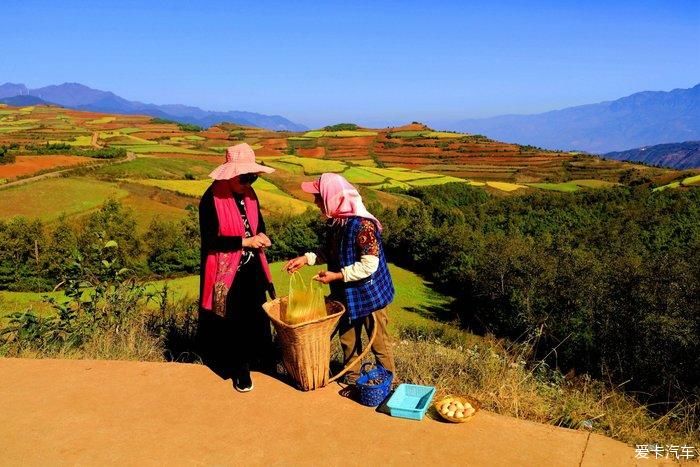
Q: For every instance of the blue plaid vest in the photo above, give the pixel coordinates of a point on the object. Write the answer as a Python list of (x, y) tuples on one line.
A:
[(366, 295)]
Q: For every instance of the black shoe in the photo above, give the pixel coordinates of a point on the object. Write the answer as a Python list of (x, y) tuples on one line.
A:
[(242, 381)]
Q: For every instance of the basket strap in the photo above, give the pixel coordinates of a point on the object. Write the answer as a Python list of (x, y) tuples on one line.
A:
[(362, 355)]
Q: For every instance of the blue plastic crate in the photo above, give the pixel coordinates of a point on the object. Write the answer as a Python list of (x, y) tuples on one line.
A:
[(410, 401)]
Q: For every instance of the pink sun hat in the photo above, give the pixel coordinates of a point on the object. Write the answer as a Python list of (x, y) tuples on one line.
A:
[(240, 159)]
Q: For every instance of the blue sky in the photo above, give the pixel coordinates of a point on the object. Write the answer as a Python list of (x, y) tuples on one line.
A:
[(374, 63)]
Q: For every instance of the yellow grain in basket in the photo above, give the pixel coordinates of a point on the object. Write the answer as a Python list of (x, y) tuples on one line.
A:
[(306, 302)]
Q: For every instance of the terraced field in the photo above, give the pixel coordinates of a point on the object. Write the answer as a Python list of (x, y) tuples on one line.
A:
[(172, 164), (48, 199)]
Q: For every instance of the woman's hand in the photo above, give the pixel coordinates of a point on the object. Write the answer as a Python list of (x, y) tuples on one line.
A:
[(295, 264), (326, 277), (258, 241)]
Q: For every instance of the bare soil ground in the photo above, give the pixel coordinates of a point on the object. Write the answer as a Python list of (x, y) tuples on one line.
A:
[(69, 412)]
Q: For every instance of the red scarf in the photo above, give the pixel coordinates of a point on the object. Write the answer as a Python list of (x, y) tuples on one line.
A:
[(220, 267)]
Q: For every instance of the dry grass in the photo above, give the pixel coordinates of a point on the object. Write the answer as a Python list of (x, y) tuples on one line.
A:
[(133, 342), (506, 381)]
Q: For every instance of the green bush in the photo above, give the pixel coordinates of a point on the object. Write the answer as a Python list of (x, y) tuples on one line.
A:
[(610, 278), (341, 127)]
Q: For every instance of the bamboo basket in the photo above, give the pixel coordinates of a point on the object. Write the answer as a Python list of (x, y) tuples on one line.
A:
[(306, 347), (463, 399)]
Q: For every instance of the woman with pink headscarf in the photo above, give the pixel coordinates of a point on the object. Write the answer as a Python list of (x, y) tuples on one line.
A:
[(357, 270), (235, 276)]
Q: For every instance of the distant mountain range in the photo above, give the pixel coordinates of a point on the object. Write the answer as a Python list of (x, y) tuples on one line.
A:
[(80, 97), (642, 119), (677, 155)]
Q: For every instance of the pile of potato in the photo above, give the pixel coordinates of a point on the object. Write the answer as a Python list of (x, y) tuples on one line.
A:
[(456, 409)]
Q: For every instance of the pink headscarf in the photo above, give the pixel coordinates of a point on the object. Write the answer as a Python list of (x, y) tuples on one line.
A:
[(342, 200)]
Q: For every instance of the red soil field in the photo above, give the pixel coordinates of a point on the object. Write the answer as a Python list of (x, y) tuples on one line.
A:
[(28, 165), (313, 152)]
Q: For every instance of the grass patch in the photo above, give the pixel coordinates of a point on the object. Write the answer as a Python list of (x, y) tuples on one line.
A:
[(48, 199), (594, 183), (436, 181), (694, 180), (391, 184), (313, 166), (158, 168), (78, 141), (101, 121), (362, 176), (401, 174), (155, 148), (129, 130), (566, 187), (505, 186), (414, 303), (365, 163), (666, 187), (285, 166)]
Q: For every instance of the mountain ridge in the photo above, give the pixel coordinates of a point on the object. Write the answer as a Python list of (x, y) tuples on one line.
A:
[(641, 119), (685, 155), (80, 97)]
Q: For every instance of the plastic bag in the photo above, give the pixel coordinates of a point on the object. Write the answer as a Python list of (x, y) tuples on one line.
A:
[(306, 302)]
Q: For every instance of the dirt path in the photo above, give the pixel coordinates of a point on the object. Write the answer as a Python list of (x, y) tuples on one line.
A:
[(60, 412), (130, 156)]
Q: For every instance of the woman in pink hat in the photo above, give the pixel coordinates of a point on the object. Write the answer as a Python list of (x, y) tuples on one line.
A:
[(234, 274), (357, 270)]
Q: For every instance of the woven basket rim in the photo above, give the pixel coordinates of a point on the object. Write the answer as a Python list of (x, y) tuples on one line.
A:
[(281, 323)]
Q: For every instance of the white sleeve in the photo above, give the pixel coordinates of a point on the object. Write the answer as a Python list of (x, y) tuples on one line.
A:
[(367, 266)]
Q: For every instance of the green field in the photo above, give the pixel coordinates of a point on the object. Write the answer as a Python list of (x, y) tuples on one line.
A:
[(129, 130), (413, 302), (160, 148), (688, 181), (504, 186), (158, 168), (401, 174), (275, 163), (365, 163), (594, 183), (573, 185), (100, 121), (391, 184), (362, 176), (48, 199), (436, 181), (339, 134), (313, 166), (566, 187), (78, 141), (694, 180)]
